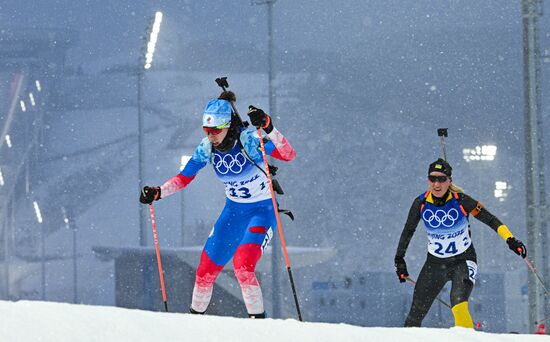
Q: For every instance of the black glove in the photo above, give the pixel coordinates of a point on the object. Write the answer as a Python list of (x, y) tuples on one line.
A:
[(517, 246), (401, 269), (149, 194), (259, 118)]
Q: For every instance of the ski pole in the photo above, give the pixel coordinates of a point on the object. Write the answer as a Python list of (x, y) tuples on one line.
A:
[(159, 262), (442, 133), (222, 82), (532, 268), (279, 226), (409, 279)]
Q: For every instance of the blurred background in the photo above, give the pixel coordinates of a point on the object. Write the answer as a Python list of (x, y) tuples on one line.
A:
[(358, 87)]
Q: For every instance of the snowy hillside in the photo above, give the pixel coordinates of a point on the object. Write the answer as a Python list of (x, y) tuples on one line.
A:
[(46, 321)]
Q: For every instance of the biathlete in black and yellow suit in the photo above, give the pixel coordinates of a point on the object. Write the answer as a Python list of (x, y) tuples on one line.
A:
[(445, 210)]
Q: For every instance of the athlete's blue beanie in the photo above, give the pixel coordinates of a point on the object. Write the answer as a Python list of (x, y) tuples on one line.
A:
[(217, 113)]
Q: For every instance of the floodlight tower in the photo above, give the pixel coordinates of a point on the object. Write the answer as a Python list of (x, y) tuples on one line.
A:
[(537, 236)]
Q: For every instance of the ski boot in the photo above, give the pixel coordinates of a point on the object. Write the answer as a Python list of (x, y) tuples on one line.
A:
[(257, 316), (194, 312)]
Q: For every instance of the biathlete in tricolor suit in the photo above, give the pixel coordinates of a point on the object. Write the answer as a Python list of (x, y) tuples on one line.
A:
[(445, 210), (245, 225)]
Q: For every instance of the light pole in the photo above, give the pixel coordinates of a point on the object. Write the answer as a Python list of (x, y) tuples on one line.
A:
[(275, 253), (535, 192), (145, 63), (142, 211), (6, 225)]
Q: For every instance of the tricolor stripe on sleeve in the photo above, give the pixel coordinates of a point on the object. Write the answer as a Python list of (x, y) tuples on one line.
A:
[(283, 150)]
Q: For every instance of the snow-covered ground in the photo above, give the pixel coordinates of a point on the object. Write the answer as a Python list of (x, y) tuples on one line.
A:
[(47, 321)]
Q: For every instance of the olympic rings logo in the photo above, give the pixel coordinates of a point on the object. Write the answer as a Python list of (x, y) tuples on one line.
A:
[(440, 217), (229, 163)]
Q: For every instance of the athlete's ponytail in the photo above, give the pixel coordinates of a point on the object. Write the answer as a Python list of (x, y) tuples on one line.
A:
[(455, 188)]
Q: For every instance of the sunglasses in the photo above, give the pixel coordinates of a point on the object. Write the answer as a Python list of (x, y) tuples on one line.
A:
[(440, 179), (212, 130)]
